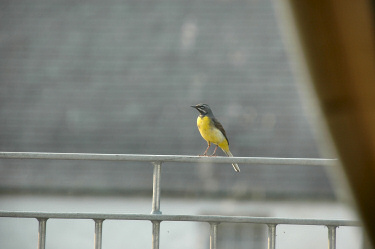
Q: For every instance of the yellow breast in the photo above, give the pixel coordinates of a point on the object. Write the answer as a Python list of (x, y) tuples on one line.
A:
[(209, 132)]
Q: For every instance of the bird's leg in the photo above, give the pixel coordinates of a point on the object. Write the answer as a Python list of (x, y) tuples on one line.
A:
[(213, 154), (205, 152)]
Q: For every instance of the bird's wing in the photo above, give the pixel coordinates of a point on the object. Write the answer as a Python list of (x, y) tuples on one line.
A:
[(220, 127)]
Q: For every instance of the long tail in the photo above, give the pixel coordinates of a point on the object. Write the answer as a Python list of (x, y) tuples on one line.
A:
[(235, 165)]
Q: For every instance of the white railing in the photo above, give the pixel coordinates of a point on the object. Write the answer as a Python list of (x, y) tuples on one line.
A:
[(156, 216)]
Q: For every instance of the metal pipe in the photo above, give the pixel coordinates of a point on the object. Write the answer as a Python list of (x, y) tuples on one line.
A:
[(42, 233), (169, 158), (155, 234), (271, 236), (194, 218), (156, 204), (213, 235), (331, 237), (156, 188), (98, 233)]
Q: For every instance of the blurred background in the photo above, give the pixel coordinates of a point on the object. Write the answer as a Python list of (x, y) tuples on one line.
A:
[(119, 77)]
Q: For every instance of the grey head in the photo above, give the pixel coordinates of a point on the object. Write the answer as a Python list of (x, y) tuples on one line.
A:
[(203, 109)]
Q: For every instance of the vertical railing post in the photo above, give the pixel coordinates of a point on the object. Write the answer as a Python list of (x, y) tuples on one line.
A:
[(213, 235), (98, 234), (156, 188), (156, 204), (271, 236), (155, 234), (331, 237), (42, 233)]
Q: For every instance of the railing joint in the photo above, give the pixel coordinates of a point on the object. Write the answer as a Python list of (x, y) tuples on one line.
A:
[(42, 219), (156, 212), (157, 162)]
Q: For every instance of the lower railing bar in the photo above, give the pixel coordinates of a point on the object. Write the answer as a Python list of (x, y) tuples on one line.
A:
[(213, 235), (42, 233), (98, 233), (156, 188), (332, 237), (155, 234), (168, 158), (271, 236), (162, 217)]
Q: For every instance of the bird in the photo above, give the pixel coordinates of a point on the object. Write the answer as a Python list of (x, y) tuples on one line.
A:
[(212, 131)]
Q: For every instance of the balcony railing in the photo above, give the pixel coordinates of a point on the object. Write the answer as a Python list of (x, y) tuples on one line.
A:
[(156, 216)]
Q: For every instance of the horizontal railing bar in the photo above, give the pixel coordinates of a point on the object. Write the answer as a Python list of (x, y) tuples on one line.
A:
[(168, 158), (196, 218)]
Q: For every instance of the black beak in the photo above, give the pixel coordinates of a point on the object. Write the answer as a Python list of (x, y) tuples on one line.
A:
[(194, 106)]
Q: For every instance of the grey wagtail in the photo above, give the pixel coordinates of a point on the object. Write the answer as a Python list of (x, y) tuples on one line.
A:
[(212, 131)]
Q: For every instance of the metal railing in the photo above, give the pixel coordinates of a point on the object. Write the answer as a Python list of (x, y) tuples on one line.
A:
[(156, 216)]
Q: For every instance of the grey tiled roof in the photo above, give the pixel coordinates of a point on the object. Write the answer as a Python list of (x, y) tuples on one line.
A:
[(119, 77)]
